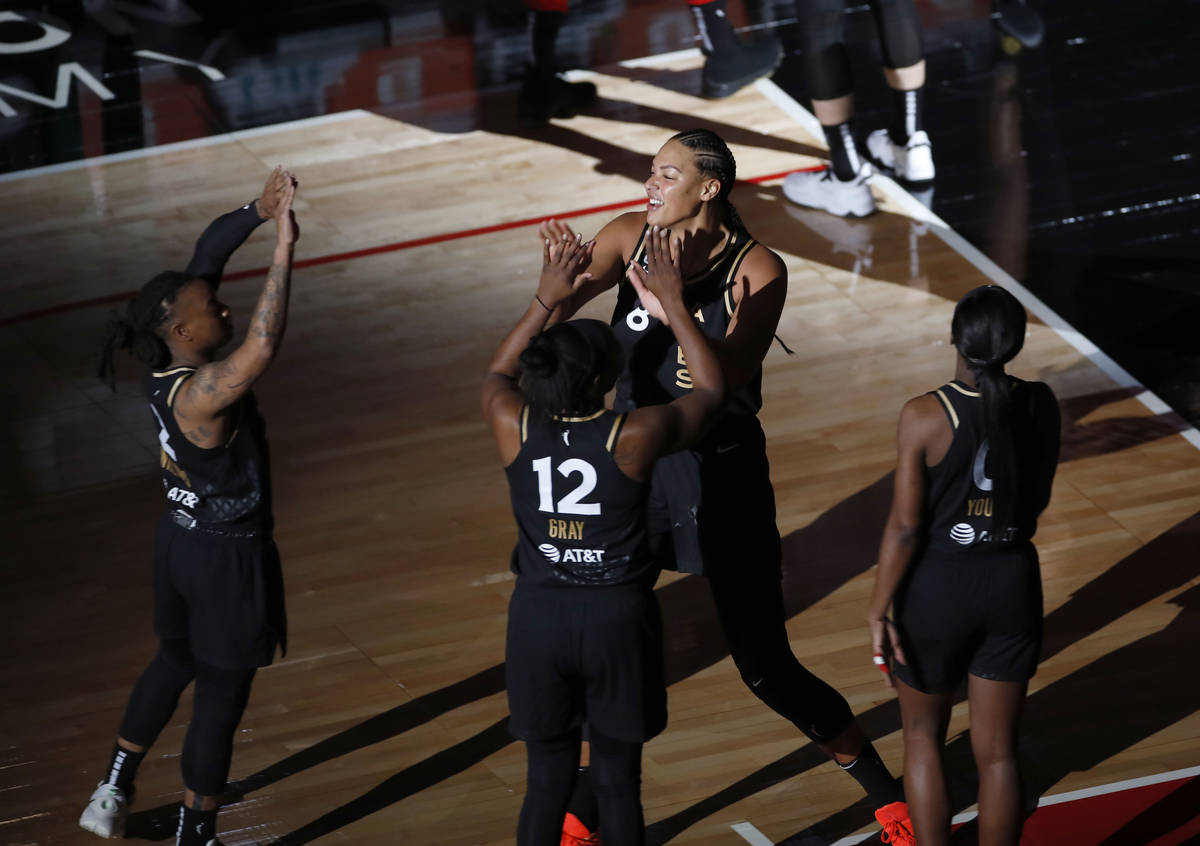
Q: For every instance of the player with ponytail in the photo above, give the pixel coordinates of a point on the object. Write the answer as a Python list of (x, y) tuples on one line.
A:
[(976, 460)]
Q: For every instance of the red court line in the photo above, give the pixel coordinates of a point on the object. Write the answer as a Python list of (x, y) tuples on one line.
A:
[(373, 251)]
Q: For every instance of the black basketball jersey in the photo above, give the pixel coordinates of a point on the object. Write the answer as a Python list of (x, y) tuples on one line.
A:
[(655, 371), (581, 520), (961, 512), (226, 484)]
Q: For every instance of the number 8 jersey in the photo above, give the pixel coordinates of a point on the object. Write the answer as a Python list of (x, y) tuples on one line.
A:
[(581, 520)]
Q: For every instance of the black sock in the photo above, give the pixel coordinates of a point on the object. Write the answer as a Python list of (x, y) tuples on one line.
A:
[(843, 153), (543, 33), (196, 828), (583, 801), (123, 767), (908, 109), (716, 33), (868, 770)]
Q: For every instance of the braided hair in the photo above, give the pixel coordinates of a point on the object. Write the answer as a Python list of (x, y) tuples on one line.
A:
[(988, 330), (560, 366), (714, 160), (138, 332)]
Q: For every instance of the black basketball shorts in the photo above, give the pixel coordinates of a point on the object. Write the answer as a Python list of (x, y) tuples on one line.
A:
[(224, 595), (585, 654), (975, 612)]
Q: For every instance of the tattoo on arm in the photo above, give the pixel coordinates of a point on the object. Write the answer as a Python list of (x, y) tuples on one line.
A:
[(270, 317)]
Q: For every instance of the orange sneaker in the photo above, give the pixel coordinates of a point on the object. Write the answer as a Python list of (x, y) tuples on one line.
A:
[(897, 827), (576, 833)]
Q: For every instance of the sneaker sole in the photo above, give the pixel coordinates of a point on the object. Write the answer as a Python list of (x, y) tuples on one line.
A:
[(839, 210)]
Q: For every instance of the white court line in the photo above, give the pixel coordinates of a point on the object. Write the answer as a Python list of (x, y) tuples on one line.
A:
[(914, 209), (752, 835), (190, 144)]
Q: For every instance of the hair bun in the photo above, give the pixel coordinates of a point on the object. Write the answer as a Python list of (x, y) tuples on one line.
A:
[(539, 358)]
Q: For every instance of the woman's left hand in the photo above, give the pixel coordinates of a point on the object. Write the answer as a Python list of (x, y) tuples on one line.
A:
[(885, 646)]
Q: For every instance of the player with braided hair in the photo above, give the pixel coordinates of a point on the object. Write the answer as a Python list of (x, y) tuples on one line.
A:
[(712, 507), (219, 612)]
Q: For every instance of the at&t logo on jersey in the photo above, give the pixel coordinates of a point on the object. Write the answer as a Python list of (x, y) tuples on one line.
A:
[(571, 556), (963, 533), (183, 497)]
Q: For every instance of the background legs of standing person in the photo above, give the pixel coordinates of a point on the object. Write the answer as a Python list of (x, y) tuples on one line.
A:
[(904, 146)]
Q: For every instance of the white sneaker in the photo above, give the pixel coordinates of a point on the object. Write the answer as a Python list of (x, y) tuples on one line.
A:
[(823, 190), (106, 812), (911, 162)]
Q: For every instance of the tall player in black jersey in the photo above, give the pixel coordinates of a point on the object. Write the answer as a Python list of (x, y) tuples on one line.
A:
[(714, 503), (219, 611), (584, 632), (976, 460)]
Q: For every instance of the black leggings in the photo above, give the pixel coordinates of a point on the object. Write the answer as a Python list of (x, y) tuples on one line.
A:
[(826, 63), (616, 775), (219, 701), (749, 599)]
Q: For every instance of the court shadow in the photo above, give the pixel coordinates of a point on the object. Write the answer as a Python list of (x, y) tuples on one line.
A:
[(1123, 697), (1172, 812), (1111, 434), (817, 560)]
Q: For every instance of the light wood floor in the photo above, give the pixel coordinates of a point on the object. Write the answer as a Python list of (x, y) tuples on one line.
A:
[(385, 722)]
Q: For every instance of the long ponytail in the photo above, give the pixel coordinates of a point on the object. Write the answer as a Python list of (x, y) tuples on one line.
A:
[(988, 329)]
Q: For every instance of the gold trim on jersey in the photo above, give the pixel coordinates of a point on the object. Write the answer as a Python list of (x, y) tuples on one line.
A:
[(733, 269), (612, 435), (966, 392), (949, 408), (524, 423), (579, 419), (175, 387), (167, 463), (173, 370)]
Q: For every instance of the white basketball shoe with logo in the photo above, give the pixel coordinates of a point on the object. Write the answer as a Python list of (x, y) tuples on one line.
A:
[(911, 162), (106, 811), (823, 190)]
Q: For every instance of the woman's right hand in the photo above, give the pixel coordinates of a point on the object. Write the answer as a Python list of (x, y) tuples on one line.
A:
[(885, 646), (662, 280)]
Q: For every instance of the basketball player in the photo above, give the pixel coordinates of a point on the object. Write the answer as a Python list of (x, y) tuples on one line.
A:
[(976, 459), (903, 147), (729, 62), (584, 632), (714, 503), (218, 590)]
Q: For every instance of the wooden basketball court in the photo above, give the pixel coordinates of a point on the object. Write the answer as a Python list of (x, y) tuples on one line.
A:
[(385, 723)]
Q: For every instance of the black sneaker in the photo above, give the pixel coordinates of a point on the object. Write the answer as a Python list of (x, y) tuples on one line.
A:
[(547, 95), (726, 72)]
